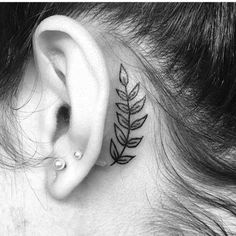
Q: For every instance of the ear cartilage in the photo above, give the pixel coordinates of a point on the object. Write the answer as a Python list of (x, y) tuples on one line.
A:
[(78, 155), (59, 164)]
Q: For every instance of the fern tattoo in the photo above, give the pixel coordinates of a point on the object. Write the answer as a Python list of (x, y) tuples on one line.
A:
[(124, 118)]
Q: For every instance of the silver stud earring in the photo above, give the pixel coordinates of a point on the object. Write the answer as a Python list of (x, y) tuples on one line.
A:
[(78, 155), (59, 164)]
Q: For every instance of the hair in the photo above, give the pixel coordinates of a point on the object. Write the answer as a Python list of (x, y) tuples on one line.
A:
[(194, 46)]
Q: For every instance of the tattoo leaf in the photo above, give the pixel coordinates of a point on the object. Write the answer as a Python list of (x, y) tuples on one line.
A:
[(125, 121), (120, 135), (123, 107), (134, 92), (138, 123), (138, 106), (125, 159), (121, 94), (134, 142), (113, 150), (122, 121), (124, 79)]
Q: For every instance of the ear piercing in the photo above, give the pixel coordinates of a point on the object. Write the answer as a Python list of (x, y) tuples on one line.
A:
[(59, 164), (78, 155)]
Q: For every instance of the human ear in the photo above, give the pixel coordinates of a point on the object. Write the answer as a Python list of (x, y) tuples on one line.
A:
[(70, 65)]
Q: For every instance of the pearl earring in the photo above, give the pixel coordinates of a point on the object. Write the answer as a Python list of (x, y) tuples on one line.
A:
[(59, 164), (78, 155)]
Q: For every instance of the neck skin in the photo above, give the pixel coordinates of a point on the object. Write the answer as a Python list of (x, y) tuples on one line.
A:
[(112, 200)]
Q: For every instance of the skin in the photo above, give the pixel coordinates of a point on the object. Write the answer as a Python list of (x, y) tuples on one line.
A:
[(111, 200)]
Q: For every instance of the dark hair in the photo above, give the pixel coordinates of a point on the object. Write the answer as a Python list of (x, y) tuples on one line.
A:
[(194, 46)]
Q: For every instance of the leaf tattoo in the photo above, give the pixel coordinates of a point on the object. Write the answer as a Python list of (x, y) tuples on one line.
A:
[(125, 124)]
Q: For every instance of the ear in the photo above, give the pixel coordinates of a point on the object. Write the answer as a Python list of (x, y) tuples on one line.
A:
[(71, 66)]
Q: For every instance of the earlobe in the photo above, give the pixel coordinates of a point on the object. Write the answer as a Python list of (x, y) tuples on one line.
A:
[(71, 65)]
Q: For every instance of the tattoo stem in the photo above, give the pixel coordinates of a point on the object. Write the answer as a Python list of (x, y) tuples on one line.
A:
[(128, 132)]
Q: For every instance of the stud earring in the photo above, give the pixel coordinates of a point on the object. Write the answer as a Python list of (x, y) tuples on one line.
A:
[(59, 164), (78, 155)]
